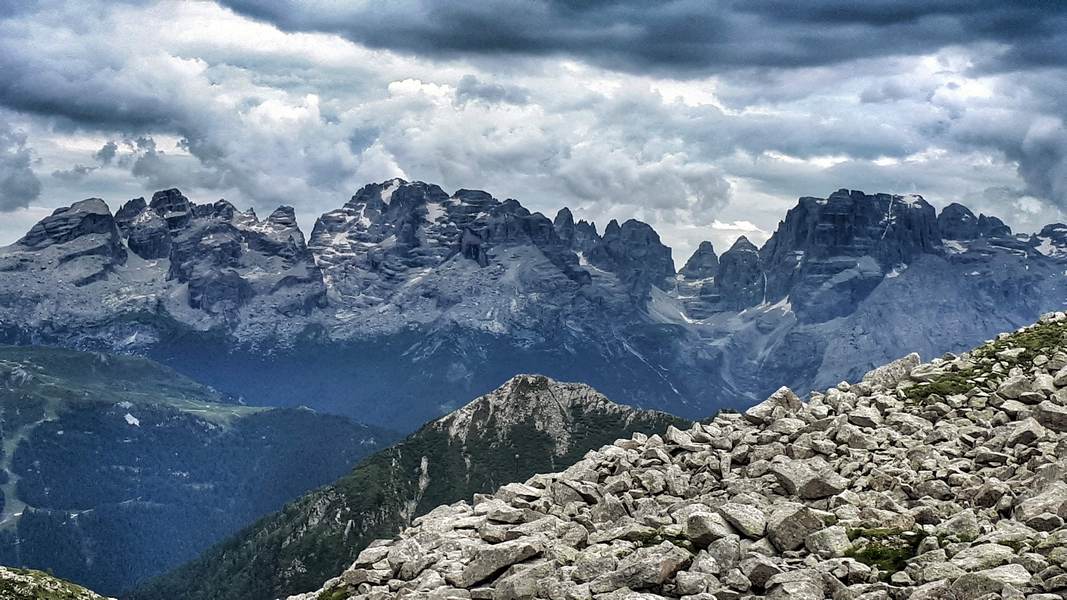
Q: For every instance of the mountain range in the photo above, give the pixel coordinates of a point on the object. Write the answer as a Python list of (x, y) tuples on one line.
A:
[(466, 291)]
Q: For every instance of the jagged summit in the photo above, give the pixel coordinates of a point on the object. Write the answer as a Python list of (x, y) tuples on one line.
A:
[(635, 253), (581, 236), (928, 481), (421, 278), (703, 264), (957, 222)]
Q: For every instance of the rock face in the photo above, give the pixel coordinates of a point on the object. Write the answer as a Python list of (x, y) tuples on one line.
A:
[(470, 290), (992, 227), (829, 254), (696, 283), (81, 242), (530, 424), (740, 282), (580, 237), (633, 251), (930, 495), (957, 222), (704, 264)]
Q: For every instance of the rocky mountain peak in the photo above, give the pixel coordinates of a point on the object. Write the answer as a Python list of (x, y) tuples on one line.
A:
[(564, 219), (922, 481), (395, 230), (283, 216), (80, 244), (634, 252), (612, 230), (549, 406), (173, 206), (740, 281), (1052, 241), (128, 211), (957, 222), (828, 253), (704, 263), (989, 226), (742, 244), (579, 236), (65, 224)]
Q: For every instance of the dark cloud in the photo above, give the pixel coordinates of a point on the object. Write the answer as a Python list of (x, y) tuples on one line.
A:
[(891, 91), (107, 153), (75, 173), (686, 36), (671, 112), (18, 183)]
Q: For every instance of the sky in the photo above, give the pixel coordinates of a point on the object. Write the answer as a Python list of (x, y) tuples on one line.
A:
[(707, 119)]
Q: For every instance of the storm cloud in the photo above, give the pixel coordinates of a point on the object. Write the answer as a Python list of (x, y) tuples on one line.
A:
[(687, 36), (684, 114)]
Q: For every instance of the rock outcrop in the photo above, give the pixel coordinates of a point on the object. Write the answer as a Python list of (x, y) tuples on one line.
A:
[(79, 244), (1052, 241), (957, 222), (940, 480)]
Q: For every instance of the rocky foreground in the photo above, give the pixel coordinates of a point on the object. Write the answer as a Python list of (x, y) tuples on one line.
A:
[(939, 480)]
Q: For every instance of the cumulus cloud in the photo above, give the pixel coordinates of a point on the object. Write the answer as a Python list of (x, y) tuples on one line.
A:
[(107, 152), (684, 114), (75, 173), (18, 183), (471, 89)]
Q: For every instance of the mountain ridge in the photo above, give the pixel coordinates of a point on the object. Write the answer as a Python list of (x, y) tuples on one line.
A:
[(530, 423), (407, 276)]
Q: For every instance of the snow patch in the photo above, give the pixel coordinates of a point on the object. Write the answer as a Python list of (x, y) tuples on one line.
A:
[(954, 247), (911, 200), (434, 211), (665, 309), (1049, 248), (783, 305)]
